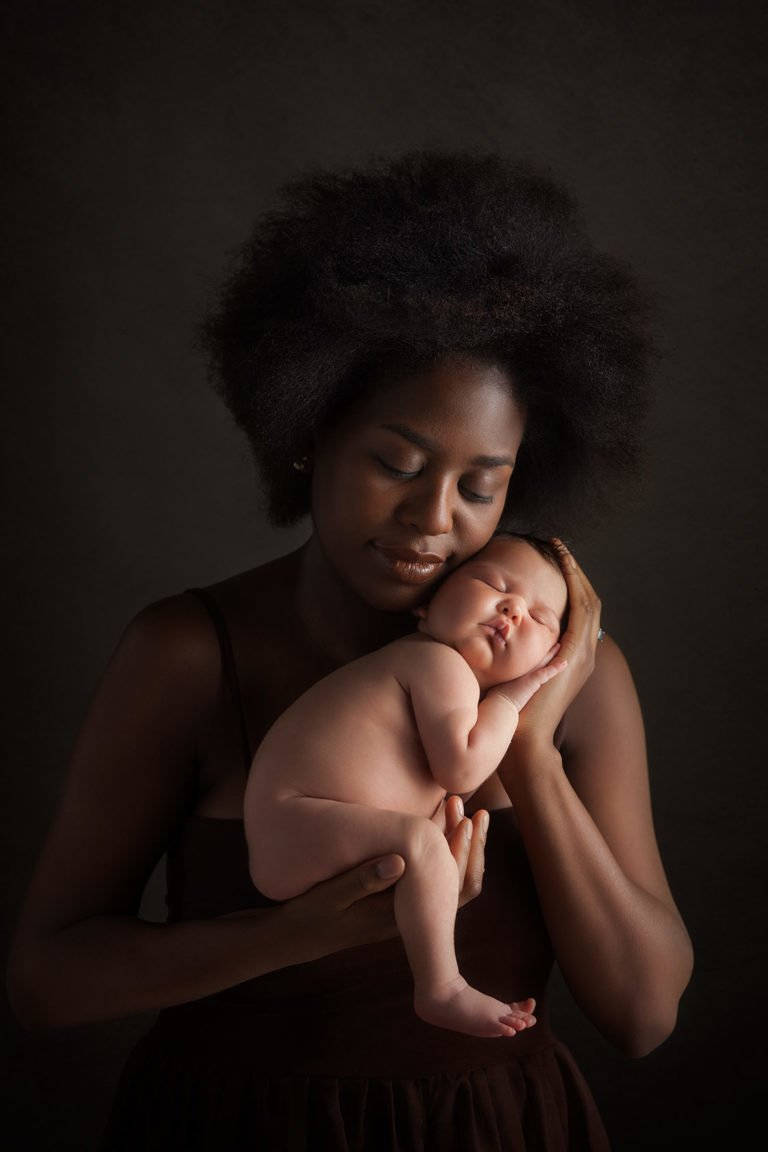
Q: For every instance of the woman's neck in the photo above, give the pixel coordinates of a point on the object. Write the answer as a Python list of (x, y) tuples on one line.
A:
[(334, 617)]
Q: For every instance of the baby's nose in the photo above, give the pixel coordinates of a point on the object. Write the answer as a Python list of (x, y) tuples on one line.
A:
[(514, 608)]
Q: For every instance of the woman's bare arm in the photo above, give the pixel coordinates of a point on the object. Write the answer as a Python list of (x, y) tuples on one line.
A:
[(80, 952), (588, 831)]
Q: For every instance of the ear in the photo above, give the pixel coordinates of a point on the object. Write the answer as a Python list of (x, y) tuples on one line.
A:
[(420, 611)]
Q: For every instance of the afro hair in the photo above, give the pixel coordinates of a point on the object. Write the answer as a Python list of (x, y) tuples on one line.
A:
[(401, 262)]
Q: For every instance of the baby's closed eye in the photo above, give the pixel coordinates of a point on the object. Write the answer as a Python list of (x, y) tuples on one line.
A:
[(544, 619)]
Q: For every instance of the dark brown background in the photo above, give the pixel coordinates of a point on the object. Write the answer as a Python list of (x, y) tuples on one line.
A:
[(146, 138)]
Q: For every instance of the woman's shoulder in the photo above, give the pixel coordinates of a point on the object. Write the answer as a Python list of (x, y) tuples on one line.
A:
[(173, 639), (182, 620), (255, 592), (177, 635)]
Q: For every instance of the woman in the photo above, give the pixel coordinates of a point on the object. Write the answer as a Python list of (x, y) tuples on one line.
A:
[(419, 351)]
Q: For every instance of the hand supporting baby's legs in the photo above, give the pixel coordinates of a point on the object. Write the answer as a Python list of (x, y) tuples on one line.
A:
[(299, 841)]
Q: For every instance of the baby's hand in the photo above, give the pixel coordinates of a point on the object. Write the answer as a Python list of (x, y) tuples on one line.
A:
[(519, 691)]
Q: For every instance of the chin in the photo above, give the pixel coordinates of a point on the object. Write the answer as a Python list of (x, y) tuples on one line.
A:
[(387, 607), (395, 601)]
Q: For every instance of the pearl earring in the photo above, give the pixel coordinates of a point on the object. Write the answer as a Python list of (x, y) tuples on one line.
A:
[(301, 464)]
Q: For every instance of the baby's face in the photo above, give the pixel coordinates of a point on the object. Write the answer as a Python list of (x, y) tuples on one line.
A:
[(501, 610)]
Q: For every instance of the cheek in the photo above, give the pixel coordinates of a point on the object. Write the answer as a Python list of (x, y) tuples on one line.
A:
[(479, 532), (445, 607), (342, 501), (541, 643)]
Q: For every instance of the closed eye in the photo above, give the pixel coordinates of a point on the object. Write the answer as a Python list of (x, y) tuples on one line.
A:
[(488, 584), (396, 471), (473, 497), (546, 622)]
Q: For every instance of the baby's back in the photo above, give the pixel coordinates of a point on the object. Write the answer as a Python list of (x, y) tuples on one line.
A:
[(353, 737)]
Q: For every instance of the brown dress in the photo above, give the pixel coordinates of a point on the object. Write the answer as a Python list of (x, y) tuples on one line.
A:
[(330, 1054)]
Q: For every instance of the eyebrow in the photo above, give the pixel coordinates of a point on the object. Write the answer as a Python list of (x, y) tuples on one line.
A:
[(431, 446)]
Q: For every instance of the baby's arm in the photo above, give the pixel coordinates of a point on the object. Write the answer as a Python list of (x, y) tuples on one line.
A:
[(464, 741)]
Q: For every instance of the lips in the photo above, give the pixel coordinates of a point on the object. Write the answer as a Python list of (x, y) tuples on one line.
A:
[(409, 555), (500, 626), (407, 565)]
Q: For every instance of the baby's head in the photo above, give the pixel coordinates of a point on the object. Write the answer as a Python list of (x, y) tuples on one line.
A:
[(503, 609)]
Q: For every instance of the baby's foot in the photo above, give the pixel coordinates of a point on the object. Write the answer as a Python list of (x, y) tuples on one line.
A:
[(462, 1008)]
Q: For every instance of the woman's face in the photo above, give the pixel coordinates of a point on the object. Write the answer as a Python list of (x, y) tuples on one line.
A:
[(423, 466)]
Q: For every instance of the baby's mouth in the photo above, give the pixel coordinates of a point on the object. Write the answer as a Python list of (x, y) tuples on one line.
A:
[(498, 629)]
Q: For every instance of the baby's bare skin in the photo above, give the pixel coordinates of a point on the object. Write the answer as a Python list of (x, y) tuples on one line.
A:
[(359, 765), (352, 737)]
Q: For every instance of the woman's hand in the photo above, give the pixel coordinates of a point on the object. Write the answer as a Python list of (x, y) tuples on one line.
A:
[(466, 840), (545, 710), (357, 906), (520, 690)]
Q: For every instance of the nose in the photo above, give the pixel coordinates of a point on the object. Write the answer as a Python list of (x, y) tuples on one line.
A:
[(428, 508), (513, 607)]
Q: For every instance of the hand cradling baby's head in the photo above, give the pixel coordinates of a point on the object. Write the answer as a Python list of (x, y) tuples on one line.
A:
[(502, 609)]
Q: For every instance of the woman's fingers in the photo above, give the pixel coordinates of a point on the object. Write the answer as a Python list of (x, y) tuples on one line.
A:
[(582, 597), (567, 560), (459, 842), (592, 600), (573, 571), (454, 813), (476, 862), (552, 670), (574, 577), (363, 880), (471, 860), (549, 656), (466, 840), (585, 580)]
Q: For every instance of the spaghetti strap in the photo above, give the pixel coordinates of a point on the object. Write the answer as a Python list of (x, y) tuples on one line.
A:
[(228, 665)]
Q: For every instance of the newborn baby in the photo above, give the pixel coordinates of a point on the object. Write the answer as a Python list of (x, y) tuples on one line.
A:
[(361, 762)]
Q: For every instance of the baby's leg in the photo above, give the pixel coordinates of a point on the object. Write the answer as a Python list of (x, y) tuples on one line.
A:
[(426, 901), (304, 839), (297, 841)]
